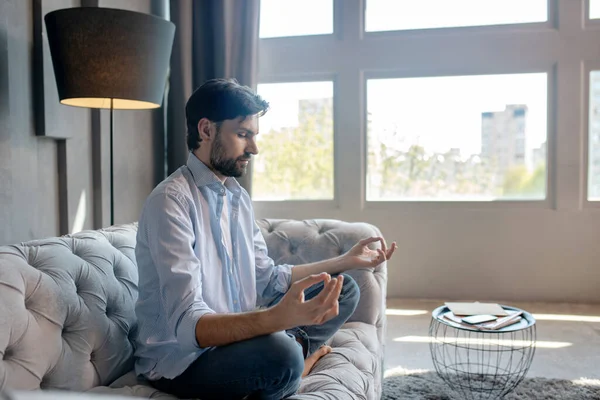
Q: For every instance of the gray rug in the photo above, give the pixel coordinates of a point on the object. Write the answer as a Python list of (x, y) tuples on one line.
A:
[(428, 386)]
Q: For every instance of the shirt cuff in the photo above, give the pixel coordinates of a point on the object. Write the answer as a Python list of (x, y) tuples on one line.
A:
[(186, 331), (283, 278)]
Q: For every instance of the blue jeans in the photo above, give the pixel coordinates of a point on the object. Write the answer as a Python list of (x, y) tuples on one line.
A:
[(266, 367)]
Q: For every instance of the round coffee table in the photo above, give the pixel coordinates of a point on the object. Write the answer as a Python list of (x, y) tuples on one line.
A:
[(482, 364)]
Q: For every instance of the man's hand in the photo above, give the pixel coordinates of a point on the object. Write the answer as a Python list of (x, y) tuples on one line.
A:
[(294, 311), (361, 256)]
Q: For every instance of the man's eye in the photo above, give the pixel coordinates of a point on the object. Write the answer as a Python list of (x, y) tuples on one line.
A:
[(242, 135)]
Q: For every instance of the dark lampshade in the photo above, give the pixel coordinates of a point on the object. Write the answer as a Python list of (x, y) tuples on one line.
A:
[(101, 54)]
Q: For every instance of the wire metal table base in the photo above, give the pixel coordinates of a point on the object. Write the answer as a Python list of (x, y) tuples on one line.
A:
[(481, 364)]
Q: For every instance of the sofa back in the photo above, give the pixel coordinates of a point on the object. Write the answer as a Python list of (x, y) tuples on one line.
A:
[(67, 315)]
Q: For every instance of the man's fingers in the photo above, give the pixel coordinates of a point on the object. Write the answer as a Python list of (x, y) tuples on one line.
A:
[(340, 285), (383, 247), (391, 250), (334, 293), (381, 258), (321, 298), (331, 313), (369, 240), (310, 280), (328, 296), (334, 309)]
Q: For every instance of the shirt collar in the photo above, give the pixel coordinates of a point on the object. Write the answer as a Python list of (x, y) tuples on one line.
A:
[(204, 176)]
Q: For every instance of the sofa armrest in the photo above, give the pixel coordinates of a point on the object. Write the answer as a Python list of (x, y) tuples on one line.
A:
[(299, 242)]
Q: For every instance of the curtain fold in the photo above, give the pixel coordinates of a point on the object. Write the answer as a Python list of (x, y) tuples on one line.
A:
[(214, 39)]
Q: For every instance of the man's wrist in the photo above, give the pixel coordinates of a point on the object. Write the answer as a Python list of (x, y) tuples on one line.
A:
[(344, 263), (271, 320)]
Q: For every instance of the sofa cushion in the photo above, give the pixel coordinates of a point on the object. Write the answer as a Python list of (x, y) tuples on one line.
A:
[(67, 310), (349, 371)]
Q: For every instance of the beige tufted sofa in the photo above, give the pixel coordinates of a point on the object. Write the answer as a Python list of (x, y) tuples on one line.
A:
[(67, 314)]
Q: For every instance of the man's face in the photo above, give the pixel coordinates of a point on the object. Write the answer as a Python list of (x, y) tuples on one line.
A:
[(233, 146)]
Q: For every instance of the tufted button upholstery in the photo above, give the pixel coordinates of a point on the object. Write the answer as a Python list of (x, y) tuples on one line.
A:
[(67, 316), (54, 333)]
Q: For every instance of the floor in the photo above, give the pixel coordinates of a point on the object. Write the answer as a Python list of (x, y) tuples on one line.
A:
[(568, 338)]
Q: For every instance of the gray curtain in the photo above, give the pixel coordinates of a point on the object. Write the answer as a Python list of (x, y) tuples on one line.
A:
[(214, 39)]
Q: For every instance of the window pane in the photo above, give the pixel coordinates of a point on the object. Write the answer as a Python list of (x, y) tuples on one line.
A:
[(594, 9), (391, 15), (458, 138), (295, 18), (594, 138), (296, 143)]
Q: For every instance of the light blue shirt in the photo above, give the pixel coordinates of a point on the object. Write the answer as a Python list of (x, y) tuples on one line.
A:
[(184, 267)]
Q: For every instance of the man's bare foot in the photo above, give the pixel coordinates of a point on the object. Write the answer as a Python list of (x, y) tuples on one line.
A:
[(311, 360)]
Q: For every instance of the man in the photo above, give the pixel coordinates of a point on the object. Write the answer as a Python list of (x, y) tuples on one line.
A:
[(217, 319)]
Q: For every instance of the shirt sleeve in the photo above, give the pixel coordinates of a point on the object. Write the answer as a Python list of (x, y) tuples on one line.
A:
[(171, 240), (271, 280)]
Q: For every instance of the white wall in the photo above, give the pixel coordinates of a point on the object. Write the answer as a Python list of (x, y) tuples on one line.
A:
[(536, 251)]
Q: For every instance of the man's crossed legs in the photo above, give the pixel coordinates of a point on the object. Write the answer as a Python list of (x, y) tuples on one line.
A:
[(267, 367)]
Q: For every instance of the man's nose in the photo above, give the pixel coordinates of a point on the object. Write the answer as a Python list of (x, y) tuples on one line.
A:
[(252, 147)]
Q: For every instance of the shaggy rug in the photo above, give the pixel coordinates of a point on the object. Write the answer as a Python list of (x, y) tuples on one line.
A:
[(426, 385)]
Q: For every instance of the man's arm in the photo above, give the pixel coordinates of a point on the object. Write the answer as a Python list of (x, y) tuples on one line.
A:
[(167, 227), (331, 266), (222, 329), (359, 256), (291, 311)]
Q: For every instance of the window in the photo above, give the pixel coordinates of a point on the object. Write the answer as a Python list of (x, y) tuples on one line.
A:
[(390, 15), (296, 135), (480, 113), (594, 9), (594, 138), (279, 18), (431, 138)]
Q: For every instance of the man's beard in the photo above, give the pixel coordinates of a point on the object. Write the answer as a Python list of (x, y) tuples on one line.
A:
[(226, 166)]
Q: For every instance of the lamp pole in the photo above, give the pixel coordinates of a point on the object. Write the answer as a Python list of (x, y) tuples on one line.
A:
[(112, 174)]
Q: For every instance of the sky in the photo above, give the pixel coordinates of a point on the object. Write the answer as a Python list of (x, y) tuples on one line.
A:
[(284, 99), (438, 112), (594, 9), (382, 15), (301, 17)]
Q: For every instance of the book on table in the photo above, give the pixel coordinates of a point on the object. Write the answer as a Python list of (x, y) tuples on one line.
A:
[(481, 316)]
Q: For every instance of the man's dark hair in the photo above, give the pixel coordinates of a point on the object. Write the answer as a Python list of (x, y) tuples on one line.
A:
[(219, 100)]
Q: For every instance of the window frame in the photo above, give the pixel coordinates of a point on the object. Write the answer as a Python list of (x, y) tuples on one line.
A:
[(587, 66)]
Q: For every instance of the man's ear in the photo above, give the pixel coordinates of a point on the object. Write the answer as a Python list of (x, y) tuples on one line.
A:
[(205, 129)]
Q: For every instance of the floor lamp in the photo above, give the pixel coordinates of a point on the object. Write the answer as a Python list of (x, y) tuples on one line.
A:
[(109, 58)]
